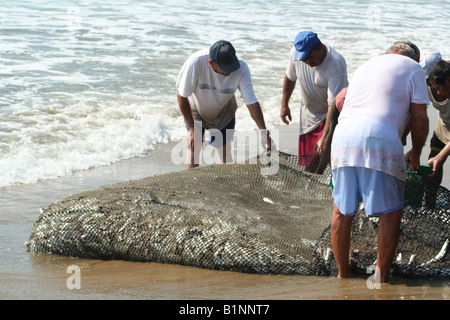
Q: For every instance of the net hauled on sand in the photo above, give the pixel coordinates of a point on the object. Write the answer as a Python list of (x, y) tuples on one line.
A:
[(232, 217)]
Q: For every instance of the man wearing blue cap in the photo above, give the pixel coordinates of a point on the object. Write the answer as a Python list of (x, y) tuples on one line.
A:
[(322, 73), (206, 86)]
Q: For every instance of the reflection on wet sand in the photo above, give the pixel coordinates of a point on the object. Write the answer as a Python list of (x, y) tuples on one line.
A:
[(153, 281)]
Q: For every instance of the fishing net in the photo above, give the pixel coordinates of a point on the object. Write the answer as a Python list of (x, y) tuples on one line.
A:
[(265, 216)]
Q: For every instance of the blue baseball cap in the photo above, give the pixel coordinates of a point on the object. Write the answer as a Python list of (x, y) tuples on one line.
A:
[(304, 43)]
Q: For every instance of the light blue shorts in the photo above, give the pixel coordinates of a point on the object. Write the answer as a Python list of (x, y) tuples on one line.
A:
[(380, 192)]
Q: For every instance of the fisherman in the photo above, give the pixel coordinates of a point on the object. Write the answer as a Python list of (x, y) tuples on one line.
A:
[(322, 73), (413, 46), (367, 155), (333, 116), (206, 85), (327, 136), (439, 94)]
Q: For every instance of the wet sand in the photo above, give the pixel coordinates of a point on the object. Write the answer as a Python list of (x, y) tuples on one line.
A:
[(153, 281), (39, 276)]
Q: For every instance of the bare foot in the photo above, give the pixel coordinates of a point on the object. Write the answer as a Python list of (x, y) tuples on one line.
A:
[(347, 273)]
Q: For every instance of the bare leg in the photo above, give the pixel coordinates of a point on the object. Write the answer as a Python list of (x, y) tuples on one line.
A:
[(340, 238), (388, 237), (190, 163), (224, 153)]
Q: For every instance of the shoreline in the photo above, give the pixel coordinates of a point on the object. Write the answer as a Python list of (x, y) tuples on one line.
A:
[(40, 276), (158, 161)]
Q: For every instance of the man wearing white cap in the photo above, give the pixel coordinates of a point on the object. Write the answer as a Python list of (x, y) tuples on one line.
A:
[(206, 86), (322, 73)]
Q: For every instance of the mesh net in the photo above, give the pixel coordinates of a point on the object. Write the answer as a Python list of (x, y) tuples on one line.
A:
[(232, 217)]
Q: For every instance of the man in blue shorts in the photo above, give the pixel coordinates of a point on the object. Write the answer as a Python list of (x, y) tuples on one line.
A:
[(367, 156), (206, 86)]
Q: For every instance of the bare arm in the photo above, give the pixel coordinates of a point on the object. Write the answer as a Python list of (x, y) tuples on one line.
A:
[(323, 146), (185, 108), (257, 115), (419, 132), (438, 161), (288, 88)]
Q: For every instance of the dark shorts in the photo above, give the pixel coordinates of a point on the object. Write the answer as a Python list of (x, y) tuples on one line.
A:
[(436, 144), (227, 134)]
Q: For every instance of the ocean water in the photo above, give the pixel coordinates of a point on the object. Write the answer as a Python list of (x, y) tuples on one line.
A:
[(85, 84)]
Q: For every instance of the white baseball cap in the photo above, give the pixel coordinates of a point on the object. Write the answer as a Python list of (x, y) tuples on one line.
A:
[(429, 59)]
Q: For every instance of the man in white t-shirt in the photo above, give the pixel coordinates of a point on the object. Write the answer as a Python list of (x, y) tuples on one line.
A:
[(321, 73), (206, 84), (367, 156)]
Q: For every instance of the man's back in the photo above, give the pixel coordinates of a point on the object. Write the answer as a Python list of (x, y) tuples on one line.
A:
[(383, 88), (376, 112)]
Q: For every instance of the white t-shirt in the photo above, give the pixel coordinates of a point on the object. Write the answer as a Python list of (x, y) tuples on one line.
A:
[(375, 114), (210, 93), (442, 128), (318, 86)]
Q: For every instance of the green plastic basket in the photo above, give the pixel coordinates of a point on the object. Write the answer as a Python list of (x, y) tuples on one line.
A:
[(415, 185)]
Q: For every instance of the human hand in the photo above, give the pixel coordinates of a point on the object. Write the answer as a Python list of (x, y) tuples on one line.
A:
[(435, 163), (266, 141), (412, 160), (318, 148), (286, 114)]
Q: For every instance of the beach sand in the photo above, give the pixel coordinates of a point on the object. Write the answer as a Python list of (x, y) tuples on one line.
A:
[(40, 276)]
